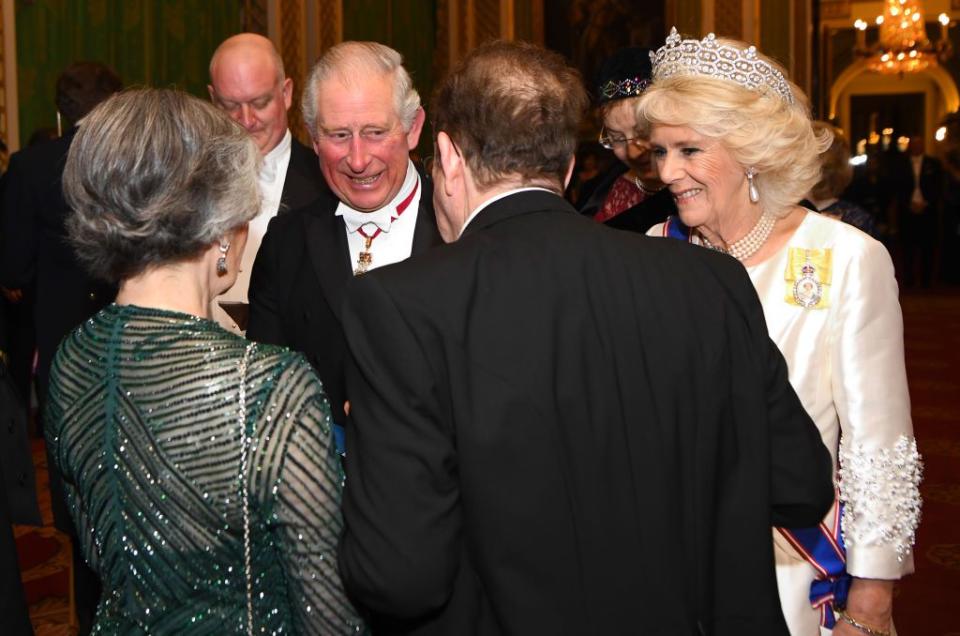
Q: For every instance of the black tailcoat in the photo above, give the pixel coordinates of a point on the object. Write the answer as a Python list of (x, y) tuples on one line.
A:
[(304, 181), (35, 251), (558, 428), (298, 281)]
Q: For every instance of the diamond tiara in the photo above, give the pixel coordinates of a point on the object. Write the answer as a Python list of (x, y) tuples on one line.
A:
[(709, 58)]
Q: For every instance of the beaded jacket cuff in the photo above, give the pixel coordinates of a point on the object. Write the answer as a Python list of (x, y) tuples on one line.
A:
[(880, 490)]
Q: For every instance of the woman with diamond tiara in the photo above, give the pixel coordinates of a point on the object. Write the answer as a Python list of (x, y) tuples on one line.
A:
[(733, 141)]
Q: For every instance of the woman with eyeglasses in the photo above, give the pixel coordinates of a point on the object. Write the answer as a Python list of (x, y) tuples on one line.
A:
[(628, 196)]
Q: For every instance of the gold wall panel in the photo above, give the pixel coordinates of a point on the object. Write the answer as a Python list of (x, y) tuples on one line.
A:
[(4, 123), (728, 18), (687, 16), (835, 9), (293, 52), (486, 21), (329, 18), (255, 17)]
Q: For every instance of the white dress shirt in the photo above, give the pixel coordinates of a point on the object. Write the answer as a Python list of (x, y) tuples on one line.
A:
[(916, 163), (395, 241), (273, 173)]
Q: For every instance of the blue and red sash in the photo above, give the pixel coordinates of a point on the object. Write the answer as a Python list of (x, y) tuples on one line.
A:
[(822, 547), (673, 227)]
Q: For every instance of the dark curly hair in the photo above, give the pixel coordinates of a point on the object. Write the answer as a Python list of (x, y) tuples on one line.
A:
[(83, 85)]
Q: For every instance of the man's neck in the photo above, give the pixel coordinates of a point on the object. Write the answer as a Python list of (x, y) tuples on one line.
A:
[(477, 200)]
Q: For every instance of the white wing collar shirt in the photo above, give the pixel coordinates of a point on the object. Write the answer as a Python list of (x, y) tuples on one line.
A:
[(389, 230)]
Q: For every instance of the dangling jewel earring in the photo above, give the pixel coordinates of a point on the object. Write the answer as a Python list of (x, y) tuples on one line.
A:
[(752, 191), (222, 261)]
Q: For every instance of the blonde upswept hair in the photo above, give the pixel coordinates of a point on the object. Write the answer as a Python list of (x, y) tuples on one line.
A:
[(759, 129)]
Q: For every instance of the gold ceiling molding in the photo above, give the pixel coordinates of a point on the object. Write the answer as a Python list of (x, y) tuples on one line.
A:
[(835, 9)]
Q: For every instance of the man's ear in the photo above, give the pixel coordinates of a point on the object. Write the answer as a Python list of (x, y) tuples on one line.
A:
[(566, 179), (449, 161), (413, 135), (213, 95), (287, 93)]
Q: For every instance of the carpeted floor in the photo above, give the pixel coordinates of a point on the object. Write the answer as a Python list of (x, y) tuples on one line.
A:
[(928, 603), (45, 563)]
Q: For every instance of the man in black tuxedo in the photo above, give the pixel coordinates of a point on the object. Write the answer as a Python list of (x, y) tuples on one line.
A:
[(35, 254), (247, 81), (364, 115), (918, 180), (559, 428)]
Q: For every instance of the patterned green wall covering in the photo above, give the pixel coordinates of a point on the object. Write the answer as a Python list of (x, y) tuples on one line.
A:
[(148, 42)]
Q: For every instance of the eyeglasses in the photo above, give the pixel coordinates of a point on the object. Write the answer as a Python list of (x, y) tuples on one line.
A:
[(612, 143)]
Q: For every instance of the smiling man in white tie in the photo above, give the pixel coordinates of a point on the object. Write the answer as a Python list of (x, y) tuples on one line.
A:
[(247, 81), (364, 116)]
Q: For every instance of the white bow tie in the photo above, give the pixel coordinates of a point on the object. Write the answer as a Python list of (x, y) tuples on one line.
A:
[(380, 218)]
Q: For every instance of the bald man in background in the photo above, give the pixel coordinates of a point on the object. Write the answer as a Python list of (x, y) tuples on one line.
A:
[(248, 83)]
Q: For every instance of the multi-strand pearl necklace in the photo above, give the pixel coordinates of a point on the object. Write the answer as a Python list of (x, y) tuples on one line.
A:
[(751, 243)]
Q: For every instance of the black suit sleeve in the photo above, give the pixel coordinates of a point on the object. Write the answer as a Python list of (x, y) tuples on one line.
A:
[(265, 293), (801, 486), (17, 228), (401, 546)]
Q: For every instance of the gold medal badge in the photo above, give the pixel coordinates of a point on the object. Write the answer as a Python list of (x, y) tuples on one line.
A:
[(808, 277)]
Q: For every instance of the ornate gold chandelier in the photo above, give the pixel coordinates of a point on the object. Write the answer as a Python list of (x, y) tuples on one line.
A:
[(903, 45)]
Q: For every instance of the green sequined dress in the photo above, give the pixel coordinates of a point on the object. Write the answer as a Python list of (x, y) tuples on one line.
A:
[(143, 422)]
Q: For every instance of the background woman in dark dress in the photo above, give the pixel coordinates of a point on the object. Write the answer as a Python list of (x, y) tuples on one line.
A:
[(629, 195), (836, 173)]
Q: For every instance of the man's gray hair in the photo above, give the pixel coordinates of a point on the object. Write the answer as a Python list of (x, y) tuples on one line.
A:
[(155, 176), (351, 62)]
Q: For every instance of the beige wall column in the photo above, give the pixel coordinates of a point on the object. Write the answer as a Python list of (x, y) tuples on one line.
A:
[(9, 111), (301, 30), (464, 24), (687, 16)]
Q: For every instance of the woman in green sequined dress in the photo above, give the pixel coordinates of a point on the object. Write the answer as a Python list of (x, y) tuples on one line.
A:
[(195, 524)]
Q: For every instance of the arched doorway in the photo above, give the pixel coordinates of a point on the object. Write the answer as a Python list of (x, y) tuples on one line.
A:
[(934, 88)]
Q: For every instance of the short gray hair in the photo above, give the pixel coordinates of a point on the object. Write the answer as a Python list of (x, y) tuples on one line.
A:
[(349, 61), (155, 176)]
